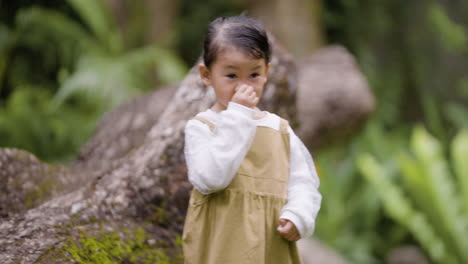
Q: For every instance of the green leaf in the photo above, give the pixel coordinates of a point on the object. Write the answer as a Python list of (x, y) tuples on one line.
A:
[(459, 150), (451, 35), (170, 68), (97, 16), (52, 23), (104, 81), (5, 43), (417, 187)]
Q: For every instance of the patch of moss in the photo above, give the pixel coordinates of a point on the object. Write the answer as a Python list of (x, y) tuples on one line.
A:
[(160, 215), (105, 247), (40, 193), (178, 258)]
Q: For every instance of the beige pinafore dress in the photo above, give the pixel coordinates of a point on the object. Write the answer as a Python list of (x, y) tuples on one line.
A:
[(238, 225)]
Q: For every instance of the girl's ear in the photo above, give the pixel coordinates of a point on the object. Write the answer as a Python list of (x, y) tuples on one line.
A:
[(266, 69), (204, 74)]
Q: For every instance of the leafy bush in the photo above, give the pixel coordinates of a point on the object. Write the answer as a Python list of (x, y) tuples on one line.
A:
[(59, 73), (428, 194), (351, 218)]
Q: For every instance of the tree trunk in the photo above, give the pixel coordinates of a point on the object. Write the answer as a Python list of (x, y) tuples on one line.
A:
[(131, 175), (296, 23)]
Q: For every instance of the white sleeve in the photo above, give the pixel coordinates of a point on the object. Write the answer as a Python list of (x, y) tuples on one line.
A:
[(304, 198), (213, 158)]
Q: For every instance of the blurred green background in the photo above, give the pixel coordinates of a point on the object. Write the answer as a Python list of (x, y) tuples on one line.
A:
[(402, 181)]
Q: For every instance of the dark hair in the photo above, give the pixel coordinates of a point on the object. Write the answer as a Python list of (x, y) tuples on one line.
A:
[(241, 32)]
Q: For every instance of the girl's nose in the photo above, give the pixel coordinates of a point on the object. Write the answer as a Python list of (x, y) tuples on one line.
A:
[(248, 82)]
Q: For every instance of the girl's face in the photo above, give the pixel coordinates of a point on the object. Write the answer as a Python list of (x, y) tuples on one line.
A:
[(231, 69)]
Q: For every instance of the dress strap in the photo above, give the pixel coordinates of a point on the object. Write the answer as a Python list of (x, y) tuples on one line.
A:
[(284, 125), (205, 121)]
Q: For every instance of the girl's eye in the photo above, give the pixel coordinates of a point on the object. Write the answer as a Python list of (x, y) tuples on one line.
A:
[(231, 76), (254, 75)]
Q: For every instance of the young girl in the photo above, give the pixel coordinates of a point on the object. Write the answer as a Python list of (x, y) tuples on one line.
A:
[(255, 186)]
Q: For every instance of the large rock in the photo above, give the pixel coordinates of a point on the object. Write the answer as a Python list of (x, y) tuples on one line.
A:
[(334, 99)]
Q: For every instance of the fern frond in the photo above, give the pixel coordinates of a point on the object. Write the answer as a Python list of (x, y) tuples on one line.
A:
[(99, 19), (459, 151), (104, 80), (169, 67), (445, 201), (39, 24)]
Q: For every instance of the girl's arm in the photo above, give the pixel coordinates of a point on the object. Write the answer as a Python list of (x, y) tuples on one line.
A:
[(214, 157), (304, 199)]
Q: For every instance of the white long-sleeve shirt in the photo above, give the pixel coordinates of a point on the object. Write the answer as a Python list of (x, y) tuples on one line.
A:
[(213, 159)]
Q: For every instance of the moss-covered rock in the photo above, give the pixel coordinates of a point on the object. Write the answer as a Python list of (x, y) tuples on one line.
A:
[(103, 246)]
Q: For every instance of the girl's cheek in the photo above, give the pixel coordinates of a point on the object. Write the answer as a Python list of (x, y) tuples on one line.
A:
[(261, 81), (256, 82)]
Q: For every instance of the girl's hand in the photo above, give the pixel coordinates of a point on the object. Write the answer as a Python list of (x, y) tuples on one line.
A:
[(245, 95), (288, 230)]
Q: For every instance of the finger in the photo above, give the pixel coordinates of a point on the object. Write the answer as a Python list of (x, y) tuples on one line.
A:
[(290, 236), (294, 235), (282, 221), (243, 88), (282, 229), (289, 225), (283, 236), (285, 231), (238, 89), (248, 89)]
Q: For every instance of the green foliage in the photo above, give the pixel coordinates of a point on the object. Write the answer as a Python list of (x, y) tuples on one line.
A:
[(99, 19), (452, 35), (459, 151), (51, 96), (193, 22), (456, 111), (346, 199), (427, 201), (350, 213), (101, 69), (28, 121), (118, 78), (398, 207), (416, 67)]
